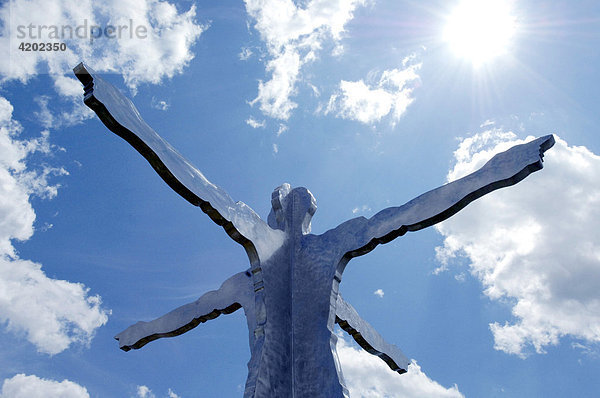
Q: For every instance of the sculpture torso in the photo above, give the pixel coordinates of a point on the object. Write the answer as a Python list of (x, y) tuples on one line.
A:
[(299, 297)]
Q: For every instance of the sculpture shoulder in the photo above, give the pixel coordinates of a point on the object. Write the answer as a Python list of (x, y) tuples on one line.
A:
[(347, 234)]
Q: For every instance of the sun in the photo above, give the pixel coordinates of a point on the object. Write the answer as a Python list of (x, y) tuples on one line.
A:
[(480, 30)]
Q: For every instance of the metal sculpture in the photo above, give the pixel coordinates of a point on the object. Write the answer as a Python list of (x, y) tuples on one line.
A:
[(290, 292)]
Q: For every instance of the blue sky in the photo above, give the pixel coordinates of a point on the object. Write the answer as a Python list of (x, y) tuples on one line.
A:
[(367, 103)]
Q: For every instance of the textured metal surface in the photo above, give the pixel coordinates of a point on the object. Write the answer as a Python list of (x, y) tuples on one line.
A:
[(290, 294), (236, 292), (368, 338)]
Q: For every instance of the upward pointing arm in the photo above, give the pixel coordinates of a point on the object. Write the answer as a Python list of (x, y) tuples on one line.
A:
[(504, 169), (235, 292), (119, 114)]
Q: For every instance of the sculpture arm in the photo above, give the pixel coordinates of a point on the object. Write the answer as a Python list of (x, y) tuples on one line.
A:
[(368, 338), (504, 169), (234, 293), (119, 114)]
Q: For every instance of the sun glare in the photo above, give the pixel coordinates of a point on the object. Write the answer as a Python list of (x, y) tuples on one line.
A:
[(480, 30)]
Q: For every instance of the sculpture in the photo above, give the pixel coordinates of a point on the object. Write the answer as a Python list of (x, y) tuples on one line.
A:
[(290, 292)]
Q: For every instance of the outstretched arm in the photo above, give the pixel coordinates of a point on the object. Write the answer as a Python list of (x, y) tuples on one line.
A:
[(368, 338), (119, 114), (504, 169), (234, 293)]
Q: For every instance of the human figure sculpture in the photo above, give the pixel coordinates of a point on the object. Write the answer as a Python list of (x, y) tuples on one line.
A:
[(290, 292)]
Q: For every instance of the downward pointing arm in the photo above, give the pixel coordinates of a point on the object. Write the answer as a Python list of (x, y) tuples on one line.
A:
[(368, 338), (235, 292)]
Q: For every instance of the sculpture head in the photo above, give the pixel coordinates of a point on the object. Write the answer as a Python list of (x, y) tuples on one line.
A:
[(292, 209)]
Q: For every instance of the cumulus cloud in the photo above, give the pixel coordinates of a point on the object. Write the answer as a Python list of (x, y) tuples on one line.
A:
[(533, 246), (151, 39), (274, 95), (52, 314), (391, 95), (22, 386), (293, 35), (144, 392), (367, 376)]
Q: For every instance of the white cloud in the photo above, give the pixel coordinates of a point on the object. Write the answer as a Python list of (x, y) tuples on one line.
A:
[(293, 35), (163, 52), (590, 350), (17, 182), (44, 115), (361, 209), (68, 87), (144, 392), (534, 245), (159, 48), (315, 90), (50, 117), (282, 129), (161, 105), (368, 104), (274, 95), (367, 376), (22, 386), (52, 314), (55, 113), (487, 123), (255, 123), (245, 54), (379, 293)]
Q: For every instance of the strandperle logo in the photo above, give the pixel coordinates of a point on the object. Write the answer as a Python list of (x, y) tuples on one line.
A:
[(81, 31)]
